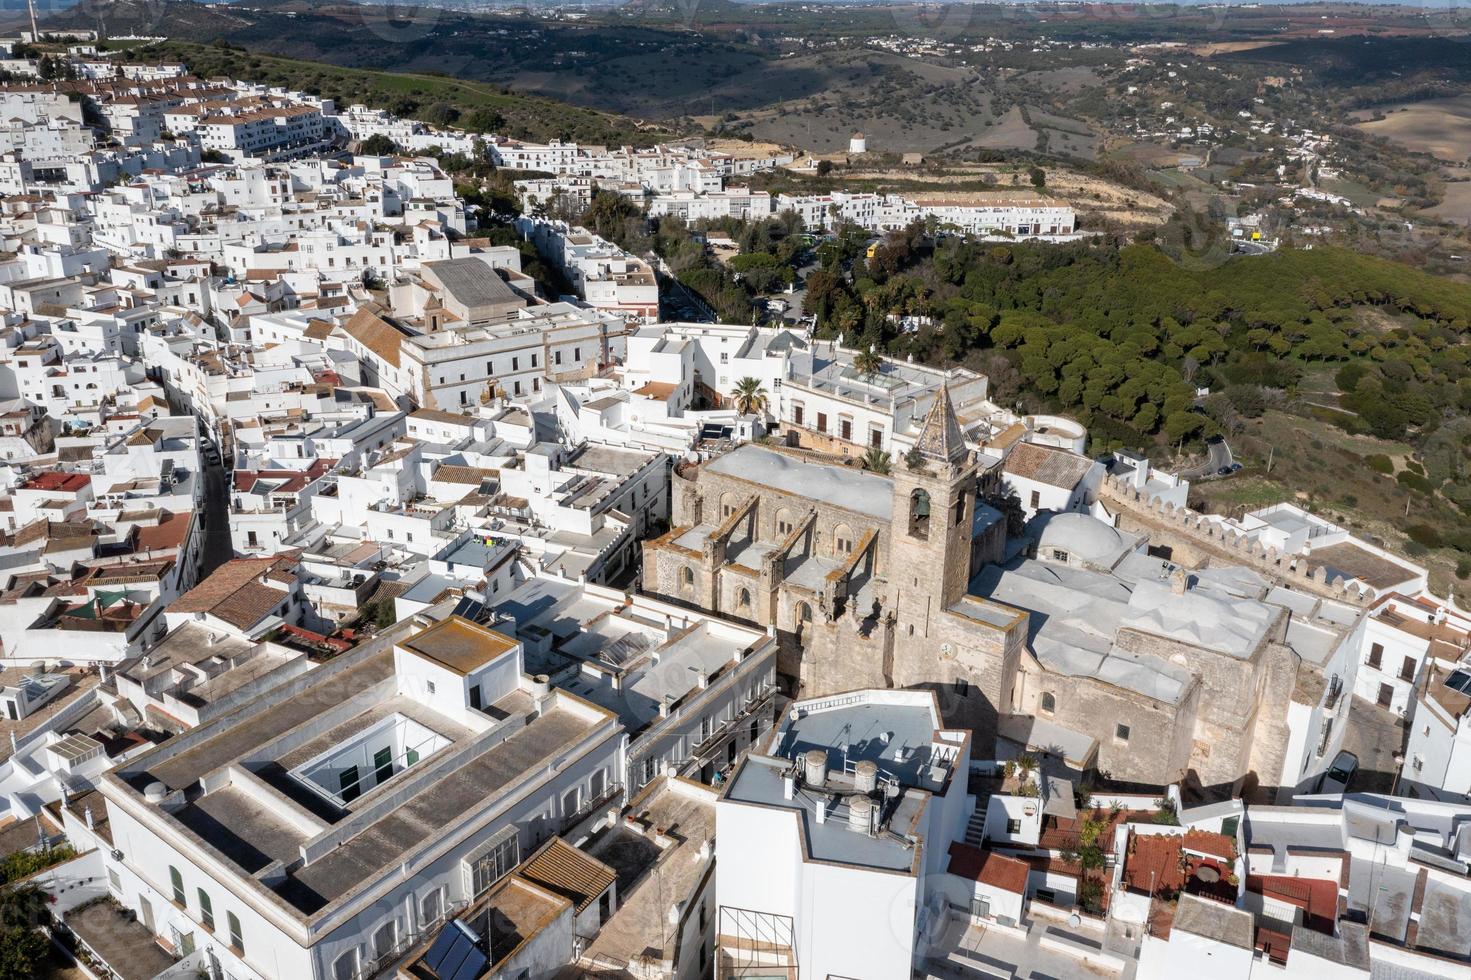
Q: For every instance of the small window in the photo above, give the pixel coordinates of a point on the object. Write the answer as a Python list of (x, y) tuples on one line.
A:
[(345, 967), (206, 910), (1376, 655), (962, 687), (1407, 669), (349, 787), (1049, 702), (1036, 500), (1013, 827), (430, 686), (385, 939), (1121, 732), (177, 881)]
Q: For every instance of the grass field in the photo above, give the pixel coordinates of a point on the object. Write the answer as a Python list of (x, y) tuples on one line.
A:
[(1456, 203), (1440, 127), (1320, 466)]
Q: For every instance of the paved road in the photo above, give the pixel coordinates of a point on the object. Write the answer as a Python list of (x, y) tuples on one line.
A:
[(1218, 457)]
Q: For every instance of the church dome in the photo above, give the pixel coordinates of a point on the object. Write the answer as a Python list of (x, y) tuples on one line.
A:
[(1082, 536)]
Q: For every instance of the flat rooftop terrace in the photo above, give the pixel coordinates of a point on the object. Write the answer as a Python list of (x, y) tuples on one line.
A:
[(758, 780), (276, 741)]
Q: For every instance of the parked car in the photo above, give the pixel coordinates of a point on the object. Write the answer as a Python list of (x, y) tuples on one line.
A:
[(1336, 779)]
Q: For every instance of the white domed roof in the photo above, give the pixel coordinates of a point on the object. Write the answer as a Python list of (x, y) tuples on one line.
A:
[(1086, 537)]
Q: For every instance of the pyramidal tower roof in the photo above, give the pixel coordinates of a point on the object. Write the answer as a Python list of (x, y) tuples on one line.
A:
[(940, 437)]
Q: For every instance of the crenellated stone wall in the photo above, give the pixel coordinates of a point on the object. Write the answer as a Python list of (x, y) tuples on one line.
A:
[(1195, 538)]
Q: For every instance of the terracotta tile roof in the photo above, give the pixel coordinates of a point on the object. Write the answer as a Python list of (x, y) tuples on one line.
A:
[(233, 592), (376, 334), (989, 868), (449, 418), (1206, 842), (60, 482), (574, 875), (471, 475), (169, 532), (1055, 467), (660, 390), (1153, 864)]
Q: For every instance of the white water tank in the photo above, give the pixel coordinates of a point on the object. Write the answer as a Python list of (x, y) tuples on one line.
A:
[(860, 814), (866, 776), (814, 768)]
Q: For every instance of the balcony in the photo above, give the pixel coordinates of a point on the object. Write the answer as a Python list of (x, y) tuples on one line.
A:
[(751, 945)]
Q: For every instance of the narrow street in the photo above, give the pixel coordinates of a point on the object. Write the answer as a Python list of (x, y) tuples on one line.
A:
[(216, 518)]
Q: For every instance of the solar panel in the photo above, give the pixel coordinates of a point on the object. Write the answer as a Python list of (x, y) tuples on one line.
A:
[(443, 943), (471, 609), (472, 967)]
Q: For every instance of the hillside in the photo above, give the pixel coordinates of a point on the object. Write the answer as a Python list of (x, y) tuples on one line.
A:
[(433, 98)]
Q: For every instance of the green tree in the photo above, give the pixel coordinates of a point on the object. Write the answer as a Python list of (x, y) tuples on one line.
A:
[(23, 910), (750, 397), (868, 362), (378, 145), (875, 460)]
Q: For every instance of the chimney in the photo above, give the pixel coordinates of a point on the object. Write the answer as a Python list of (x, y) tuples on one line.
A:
[(822, 810), (87, 816), (786, 782), (1179, 581), (1141, 474)]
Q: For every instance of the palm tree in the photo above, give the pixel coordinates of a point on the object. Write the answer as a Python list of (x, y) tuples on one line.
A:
[(875, 460), (867, 362), (750, 397)]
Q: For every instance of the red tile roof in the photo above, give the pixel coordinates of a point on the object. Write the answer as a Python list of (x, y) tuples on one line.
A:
[(989, 868), (1152, 865), (168, 533), (1213, 844), (61, 482), (234, 593), (1317, 897)]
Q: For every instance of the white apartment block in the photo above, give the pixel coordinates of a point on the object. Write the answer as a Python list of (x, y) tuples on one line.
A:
[(326, 829), (851, 803), (980, 215), (604, 275), (812, 389), (459, 366), (736, 202)]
